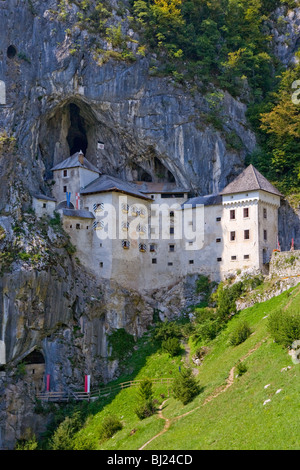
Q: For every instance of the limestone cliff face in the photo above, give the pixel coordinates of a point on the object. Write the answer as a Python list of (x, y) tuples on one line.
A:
[(59, 97)]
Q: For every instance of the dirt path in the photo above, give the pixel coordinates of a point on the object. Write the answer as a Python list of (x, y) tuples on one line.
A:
[(217, 392), (166, 427)]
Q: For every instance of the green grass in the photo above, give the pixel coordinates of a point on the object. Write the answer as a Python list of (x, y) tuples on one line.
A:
[(235, 419)]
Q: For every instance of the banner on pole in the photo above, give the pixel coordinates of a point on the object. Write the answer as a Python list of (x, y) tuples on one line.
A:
[(87, 387)]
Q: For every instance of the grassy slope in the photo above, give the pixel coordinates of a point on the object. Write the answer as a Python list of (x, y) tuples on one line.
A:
[(237, 418)]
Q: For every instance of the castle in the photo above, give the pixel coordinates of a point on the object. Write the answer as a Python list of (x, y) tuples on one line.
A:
[(147, 235)]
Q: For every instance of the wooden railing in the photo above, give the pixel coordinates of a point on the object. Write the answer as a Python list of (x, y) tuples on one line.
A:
[(95, 394)]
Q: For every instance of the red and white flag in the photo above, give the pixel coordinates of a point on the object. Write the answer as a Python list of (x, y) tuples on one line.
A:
[(77, 200)]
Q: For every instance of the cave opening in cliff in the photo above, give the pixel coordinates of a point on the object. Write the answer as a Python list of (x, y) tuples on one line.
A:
[(35, 357), (162, 173), (77, 135), (11, 52)]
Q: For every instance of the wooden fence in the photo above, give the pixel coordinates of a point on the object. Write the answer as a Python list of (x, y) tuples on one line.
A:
[(95, 394)]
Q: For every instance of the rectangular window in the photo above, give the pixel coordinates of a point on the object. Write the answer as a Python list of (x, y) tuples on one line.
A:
[(218, 219), (265, 213), (191, 261), (247, 234), (246, 213), (170, 264), (246, 256), (171, 230), (78, 226), (126, 244), (152, 248), (172, 214), (219, 260), (65, 189), (172, 248), (218, 240), (232, 236), (65, 173), (154, 261), (101, 264), (232, 214), (233, 258), (265, 235)]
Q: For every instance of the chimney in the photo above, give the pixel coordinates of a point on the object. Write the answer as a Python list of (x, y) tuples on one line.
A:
[(81, 157)]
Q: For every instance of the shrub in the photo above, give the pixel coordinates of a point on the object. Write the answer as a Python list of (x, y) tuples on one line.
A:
[(171, 346), (241, 332), (110, 425), (208, 330), (145, 409), (122, 344), (284, 326), (185, 387), (167, 330), (226, 298), (241, 368), (63, 436), (83, 442)]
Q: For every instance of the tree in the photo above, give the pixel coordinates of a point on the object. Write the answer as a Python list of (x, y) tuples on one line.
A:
[(186, 387)]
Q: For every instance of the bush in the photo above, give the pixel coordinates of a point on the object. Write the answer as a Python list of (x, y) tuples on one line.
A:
[(145, 409), (208, 330), (185, 387), (241, 368), (63, 436), (122, 344), (284, 326), (241, 332), (110, 425), (167, 330), (171, 346), (83, 442), (226, 298)]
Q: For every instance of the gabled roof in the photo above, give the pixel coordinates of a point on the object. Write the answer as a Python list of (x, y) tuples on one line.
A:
[(153, 188), (42, 197), (106, 183), (81, 214), (73, 162), (250, 180), (209, 200)]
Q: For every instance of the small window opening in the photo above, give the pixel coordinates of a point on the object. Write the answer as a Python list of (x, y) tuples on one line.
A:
[(246, 234), (78, 226), (233, 258), (232, 214), (246, 256), (218, 240), (246, 212), (232, 236), (154, 261), (191, 261), (172, 248)]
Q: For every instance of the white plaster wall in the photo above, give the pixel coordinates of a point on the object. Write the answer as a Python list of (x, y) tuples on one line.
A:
[(41, 211), (87, 176)]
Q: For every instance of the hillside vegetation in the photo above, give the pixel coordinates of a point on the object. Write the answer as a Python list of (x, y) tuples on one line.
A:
[(247, 393)]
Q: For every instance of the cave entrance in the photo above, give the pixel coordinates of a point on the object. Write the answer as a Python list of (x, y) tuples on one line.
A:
[(162, 173), (77, 136)]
